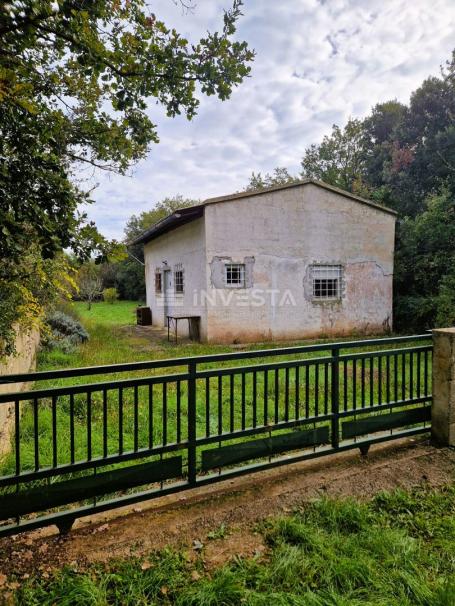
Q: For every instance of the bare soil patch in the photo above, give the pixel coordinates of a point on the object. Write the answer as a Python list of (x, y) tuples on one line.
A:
[(215, 523)]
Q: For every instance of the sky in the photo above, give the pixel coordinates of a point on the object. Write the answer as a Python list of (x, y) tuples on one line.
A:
[(318, 62)]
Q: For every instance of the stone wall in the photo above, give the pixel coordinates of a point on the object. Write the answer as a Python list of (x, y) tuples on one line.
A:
[(443, 408), (23, 361)]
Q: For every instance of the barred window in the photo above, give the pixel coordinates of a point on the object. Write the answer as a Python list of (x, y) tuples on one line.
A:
[(326, 282), (158, 281), (234, 274), (178, 280)]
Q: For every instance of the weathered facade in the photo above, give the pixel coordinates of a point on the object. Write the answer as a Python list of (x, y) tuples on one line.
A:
[(288, 262)]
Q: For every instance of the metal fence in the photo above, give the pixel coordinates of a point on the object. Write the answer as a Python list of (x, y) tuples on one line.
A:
[(86, 447)]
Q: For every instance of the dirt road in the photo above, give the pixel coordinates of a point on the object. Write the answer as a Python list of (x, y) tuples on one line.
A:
[(219, 521)]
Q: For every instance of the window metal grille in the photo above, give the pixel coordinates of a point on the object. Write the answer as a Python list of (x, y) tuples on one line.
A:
[(178, 281), (326, 281), (158, 281), (235, 274)]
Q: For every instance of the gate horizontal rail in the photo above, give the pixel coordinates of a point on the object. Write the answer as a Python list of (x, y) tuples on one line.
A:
[(81, 448)]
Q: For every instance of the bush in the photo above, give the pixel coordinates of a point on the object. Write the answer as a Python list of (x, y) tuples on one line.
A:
[(446, 302), (68, 308), (65, 332), (110, 295), (129, 279)]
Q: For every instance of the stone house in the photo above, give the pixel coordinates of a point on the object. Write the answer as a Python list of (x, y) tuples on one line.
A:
[(287, 262)]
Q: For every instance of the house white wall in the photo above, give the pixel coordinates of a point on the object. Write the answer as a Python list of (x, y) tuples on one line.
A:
[(287, 231), (279, 235), (186, 246)]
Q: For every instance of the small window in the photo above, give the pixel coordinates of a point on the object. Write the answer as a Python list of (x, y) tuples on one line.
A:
[(158, 281), (235, 274), (326, 281), (178, 280)]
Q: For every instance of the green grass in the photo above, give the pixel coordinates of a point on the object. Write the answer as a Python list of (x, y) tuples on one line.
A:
[(113, 339), (108, 343), (120, 313), (397, 550)]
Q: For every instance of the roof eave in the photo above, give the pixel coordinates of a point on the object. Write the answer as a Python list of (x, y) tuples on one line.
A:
[(169, 223)]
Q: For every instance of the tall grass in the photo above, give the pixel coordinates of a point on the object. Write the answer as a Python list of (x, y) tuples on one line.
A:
[(397, 550), (114, 340)]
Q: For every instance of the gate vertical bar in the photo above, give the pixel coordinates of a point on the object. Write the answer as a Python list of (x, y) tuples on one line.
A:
[(17, 437), (335, 397), (192, 423)]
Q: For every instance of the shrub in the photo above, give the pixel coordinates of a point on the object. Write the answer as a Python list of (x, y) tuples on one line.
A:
[(68, 308), (110, 295), (65, 332)]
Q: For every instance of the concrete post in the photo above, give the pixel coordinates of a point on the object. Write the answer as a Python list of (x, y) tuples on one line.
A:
[(443, 409)]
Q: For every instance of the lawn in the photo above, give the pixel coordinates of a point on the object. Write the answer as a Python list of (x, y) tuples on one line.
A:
[(396, 550), (113, 340), (120, 313), (260, 398)]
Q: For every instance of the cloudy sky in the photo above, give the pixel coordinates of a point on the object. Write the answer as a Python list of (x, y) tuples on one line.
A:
[(318, 62)]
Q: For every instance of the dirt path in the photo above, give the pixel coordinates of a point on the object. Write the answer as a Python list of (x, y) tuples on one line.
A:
[(217, 522)]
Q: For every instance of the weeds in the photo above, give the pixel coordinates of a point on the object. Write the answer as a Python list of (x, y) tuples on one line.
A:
[(219, 533), (330, 553), (113, 341)]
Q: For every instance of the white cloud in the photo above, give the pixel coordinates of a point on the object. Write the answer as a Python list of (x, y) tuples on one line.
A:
[(318, 62)]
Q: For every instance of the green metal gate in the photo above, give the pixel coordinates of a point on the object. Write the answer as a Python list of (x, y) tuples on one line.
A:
[(154, 428)]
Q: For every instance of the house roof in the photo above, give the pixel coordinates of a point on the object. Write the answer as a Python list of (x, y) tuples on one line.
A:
[(185, 215)]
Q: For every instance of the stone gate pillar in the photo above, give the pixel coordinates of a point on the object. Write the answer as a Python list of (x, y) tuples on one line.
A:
[(443, 409)]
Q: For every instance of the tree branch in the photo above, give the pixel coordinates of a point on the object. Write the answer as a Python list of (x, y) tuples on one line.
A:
[(107, 167), (121, 73)]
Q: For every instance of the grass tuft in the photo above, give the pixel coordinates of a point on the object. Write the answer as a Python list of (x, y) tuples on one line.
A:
[(331, 553), (224, 589)]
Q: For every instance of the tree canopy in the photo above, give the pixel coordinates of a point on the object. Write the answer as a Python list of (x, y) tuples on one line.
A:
[(339, 159), (127, 275), (280, 176), (136, 224), (76, 79)]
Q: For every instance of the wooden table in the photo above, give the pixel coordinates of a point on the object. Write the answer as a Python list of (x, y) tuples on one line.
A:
[(175, 319)]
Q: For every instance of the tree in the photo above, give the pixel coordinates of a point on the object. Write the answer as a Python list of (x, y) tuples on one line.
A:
[(110, 295), (425, 265), (340, 159), (445, 312), (128, 276), (89, 282), (24, 288), (75, 77), (136, 224), (75, 80), (279, 176), (411, 150), (428, 131), (383, 123)]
